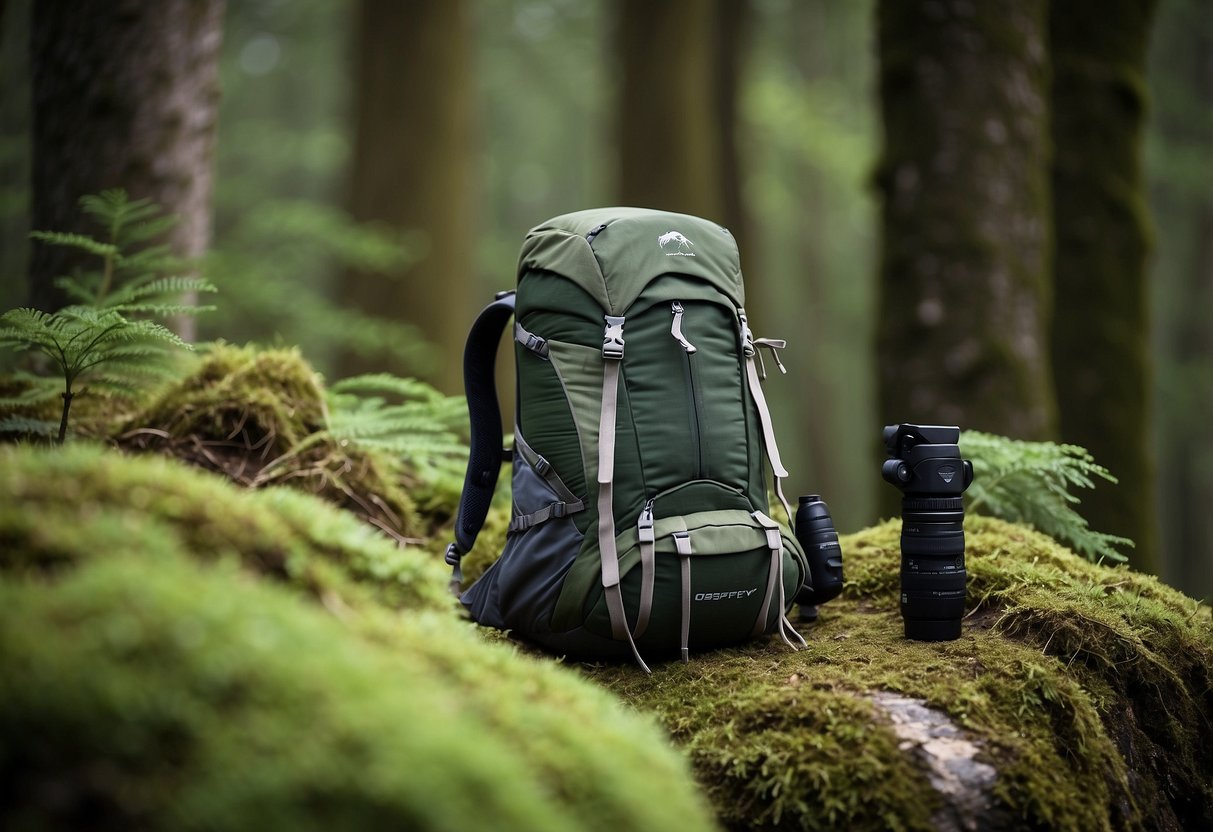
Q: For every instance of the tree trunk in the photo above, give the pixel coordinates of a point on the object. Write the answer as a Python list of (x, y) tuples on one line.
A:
[(125, 95), (413, 157), (680, 61), (1101, 230), (1180, 167), (964, 307)]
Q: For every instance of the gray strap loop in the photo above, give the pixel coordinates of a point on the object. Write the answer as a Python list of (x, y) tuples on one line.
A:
[(549, 512), (647, 539), (531, 341), (682, 542), (775, 544)]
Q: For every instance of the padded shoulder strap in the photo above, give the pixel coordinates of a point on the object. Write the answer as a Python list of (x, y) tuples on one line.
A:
[(484, 413)]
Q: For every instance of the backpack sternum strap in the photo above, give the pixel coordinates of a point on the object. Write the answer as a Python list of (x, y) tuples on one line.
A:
[(612, 354)]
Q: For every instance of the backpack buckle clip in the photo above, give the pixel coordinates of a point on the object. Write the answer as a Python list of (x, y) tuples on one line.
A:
[(612, 338), (747, 337)]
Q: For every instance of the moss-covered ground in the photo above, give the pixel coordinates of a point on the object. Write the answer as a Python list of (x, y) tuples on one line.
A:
[(1089, 689), (180, 651)]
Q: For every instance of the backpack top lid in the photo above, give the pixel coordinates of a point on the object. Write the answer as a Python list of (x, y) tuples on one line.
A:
[(613, 253)]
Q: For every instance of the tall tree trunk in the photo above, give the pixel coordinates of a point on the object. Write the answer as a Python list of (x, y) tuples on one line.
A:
[(1180, 167), (413, 157), (680, 61), (1100, 331), (125, 94), (964, 306)]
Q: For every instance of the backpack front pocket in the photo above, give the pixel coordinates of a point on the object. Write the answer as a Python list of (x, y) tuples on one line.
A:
[(706, 579)]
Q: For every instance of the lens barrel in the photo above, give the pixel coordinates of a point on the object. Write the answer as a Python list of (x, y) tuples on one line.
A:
[(817, 536), (932, 567), (925, 465)]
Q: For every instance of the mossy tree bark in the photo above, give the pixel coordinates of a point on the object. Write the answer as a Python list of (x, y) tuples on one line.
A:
[(964, 304), (124, 95), (677, 115), (1100, 329), (412, 162)]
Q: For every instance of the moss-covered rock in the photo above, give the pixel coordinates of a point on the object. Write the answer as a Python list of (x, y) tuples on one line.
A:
[(258, 416), (1088, 690), (180, 653)]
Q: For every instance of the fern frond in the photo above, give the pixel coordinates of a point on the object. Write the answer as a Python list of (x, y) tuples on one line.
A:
[(405, 388), (80, 241), (138, 232), (44, 391), (28, 427), (1031, 482)]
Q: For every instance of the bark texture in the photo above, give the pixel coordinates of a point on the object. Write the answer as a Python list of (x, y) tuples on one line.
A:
[(125, 94), (680, 61), (1101, 325), (412, 163), (964, 307)]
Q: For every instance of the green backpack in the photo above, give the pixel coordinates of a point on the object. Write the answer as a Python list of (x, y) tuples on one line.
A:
[(640, 518)]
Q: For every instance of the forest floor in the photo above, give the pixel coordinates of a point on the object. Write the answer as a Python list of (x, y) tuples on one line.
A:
[(161, 616)]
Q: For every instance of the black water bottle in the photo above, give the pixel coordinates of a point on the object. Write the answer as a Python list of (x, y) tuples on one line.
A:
[(816, 534)]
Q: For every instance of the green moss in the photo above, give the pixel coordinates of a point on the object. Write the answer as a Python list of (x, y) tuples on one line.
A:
[(163, 670), (1088, 689), (61, 507), (258, 416)]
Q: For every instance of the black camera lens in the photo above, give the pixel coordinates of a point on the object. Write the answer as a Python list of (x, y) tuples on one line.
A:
[(925, 464), (932, 567), (817, 536)]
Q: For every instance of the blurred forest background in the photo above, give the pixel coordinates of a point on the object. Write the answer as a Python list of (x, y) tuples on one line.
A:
[(997, 215)]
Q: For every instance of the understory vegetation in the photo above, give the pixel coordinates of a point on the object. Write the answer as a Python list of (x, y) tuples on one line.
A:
[(260, 558)]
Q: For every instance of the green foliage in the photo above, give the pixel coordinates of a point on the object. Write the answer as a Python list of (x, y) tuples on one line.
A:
[(105, 335), (405, 418), (1030, 482), (281, 265), (182, 654)]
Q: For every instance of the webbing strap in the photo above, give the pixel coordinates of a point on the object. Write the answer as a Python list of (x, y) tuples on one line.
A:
[(775, 544), (612, 359), (644, 533), (552, 510), (764, 414), (484, 413), (530, 340), (682, 541), (606, 475), (614, 599)]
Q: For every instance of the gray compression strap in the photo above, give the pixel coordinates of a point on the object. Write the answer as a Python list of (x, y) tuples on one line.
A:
[(775, 544), (530, 340), (553, 510), (682, 541), (764, 413), (644, 534), (612, 355)]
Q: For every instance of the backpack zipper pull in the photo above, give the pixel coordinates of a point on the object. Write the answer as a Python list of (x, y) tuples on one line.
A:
[(676, 327)]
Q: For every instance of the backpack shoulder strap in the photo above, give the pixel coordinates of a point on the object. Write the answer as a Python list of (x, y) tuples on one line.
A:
[(484, 414)]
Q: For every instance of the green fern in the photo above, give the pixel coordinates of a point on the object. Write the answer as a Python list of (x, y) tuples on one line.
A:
[(1031, 482), (106, 335), (406, 418)]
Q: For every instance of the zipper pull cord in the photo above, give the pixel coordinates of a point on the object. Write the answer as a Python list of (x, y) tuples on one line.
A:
[(676, 328)]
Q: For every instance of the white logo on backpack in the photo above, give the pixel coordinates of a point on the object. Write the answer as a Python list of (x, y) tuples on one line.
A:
[(683, 248)]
